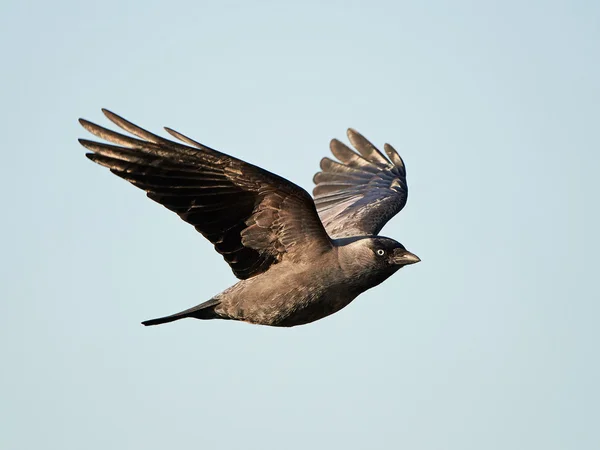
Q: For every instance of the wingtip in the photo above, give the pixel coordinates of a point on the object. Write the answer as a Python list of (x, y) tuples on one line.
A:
[(354, 134), (172, 132), (89, 126), (114, 118), (334, 143), (394, 155), (366, 148), (86, 143), (92, 156), (184, 138)]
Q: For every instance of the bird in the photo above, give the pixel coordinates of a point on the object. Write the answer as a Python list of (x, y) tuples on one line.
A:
[(298, 258)]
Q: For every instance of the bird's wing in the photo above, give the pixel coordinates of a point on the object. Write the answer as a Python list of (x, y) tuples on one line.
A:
[(358, 195), (254, 218)]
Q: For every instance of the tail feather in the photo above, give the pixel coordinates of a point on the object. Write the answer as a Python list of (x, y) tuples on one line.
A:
[(203, 311), (166, 319)]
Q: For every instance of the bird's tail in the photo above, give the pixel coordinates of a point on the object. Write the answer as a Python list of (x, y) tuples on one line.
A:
[(204, 310)]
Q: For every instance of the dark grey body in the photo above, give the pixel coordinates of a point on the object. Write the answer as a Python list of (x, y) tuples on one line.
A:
[(299, 259), (291, 294)]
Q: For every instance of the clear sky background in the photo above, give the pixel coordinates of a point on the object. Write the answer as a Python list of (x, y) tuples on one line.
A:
[(491, 342)]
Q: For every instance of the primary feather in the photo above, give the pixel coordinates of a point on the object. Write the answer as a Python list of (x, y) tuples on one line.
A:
[(254, 218)]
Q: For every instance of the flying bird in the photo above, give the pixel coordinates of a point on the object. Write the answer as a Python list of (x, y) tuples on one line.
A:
[(298, 259)]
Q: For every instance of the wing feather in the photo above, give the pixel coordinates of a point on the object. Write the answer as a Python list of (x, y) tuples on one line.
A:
[(253, 218), (359, 194)]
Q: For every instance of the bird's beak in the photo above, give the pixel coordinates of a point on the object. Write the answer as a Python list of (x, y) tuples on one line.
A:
[(405, 258)]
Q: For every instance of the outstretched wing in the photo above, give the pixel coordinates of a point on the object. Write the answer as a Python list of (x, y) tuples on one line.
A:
[(254, 218), (357, 196)]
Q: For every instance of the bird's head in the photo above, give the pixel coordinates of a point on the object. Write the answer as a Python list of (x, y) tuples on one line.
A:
[(374, 259)]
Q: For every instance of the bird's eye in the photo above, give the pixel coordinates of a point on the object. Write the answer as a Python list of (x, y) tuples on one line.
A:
[(381, 252)]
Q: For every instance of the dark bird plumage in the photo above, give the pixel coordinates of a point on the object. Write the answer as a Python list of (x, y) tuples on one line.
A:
[(298, 260)]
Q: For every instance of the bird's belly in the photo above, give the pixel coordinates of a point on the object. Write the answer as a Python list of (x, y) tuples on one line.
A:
[(314, 310), (291, 310), (285, 301)]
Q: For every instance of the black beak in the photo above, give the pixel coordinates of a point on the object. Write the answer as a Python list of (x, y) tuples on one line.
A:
[(405, 258)]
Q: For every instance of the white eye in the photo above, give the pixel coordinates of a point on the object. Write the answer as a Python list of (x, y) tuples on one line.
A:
[(381, 252)]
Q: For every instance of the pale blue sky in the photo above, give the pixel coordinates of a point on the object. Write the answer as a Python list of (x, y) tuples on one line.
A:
[(490, 343)]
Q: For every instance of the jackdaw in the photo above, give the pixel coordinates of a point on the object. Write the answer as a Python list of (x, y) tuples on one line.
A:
[(298, 259)]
